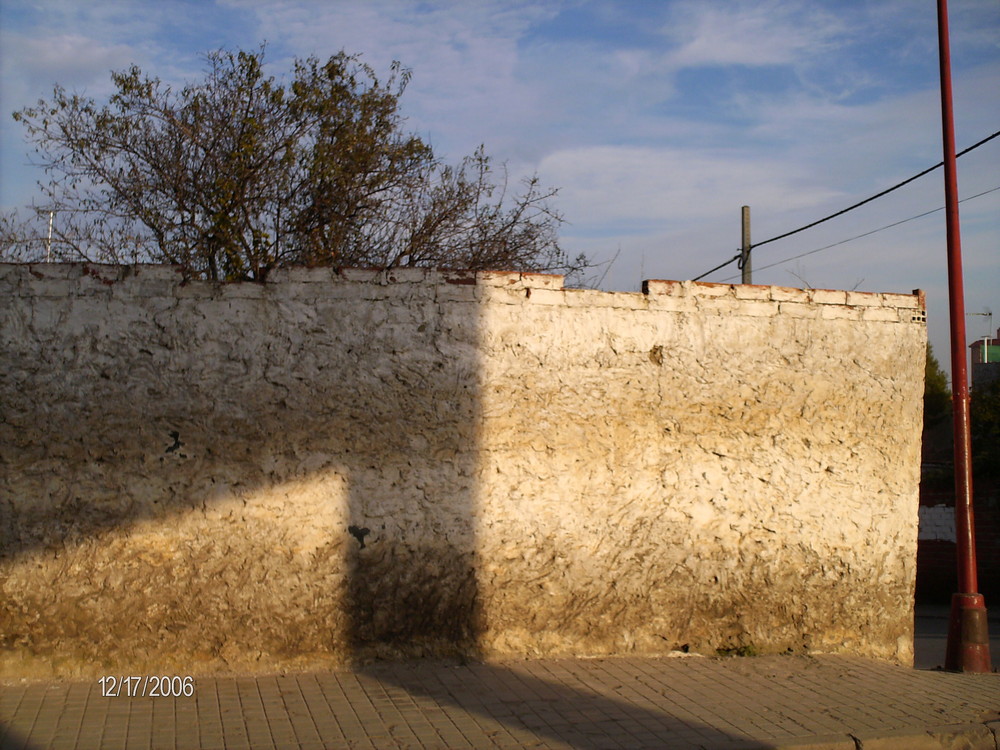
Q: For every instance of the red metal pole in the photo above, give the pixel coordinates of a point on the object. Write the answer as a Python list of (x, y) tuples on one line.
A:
[(968, 648)]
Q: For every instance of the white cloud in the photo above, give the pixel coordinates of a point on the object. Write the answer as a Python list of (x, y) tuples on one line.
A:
[(639, 190), (743, 33), (464, 56), (31, 65), (72, 60)]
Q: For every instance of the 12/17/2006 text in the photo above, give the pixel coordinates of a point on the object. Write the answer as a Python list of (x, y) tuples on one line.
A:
[(148, 686)]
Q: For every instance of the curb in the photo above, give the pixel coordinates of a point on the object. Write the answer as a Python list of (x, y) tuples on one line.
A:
[(985, 736)]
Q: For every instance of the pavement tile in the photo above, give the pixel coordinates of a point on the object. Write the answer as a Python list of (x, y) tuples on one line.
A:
[(774, 702)]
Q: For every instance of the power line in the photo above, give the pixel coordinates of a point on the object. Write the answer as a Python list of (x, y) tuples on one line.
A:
[(865, 234), (877, 195), (721, 265), (850, 208)]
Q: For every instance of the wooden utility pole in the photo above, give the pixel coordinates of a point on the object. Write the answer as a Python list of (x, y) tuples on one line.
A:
[(745, 248)]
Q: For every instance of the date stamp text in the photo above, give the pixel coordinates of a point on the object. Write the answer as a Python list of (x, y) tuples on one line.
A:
[(146, 686)]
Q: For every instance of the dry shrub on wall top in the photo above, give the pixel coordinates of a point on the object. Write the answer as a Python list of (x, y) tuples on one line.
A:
[(239, 173)]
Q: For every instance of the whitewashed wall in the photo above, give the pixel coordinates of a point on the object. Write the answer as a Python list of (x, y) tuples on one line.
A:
[(188, 469)]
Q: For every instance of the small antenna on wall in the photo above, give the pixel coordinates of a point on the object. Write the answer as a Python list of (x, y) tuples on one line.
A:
[(48, 244)]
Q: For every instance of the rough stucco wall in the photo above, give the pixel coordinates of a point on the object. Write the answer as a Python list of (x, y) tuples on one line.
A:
[(711, 466), (538, 470), (182, 463)]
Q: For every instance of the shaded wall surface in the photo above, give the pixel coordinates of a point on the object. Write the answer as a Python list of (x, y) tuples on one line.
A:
[(330, 467)]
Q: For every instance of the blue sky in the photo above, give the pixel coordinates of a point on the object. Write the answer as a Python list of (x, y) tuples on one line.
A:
[(657, 120)]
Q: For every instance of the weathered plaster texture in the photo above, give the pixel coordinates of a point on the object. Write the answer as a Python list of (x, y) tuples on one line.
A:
[(327, 467)]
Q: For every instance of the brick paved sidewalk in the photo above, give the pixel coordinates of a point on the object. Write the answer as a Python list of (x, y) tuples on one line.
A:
[(765, 702)]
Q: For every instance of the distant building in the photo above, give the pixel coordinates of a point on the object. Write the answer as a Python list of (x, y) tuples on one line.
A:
[(985, 361)]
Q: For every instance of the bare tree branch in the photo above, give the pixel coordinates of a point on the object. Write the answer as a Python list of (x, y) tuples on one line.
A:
[(238, 174)]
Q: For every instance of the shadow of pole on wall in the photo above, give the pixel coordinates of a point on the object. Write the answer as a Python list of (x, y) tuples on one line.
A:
[(411, 558)]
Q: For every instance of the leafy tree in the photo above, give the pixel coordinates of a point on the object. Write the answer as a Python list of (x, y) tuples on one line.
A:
[(238, 174), (937, 396), (985, 428)]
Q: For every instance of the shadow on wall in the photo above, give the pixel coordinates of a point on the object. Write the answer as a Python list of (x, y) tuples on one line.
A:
[(235, 476)]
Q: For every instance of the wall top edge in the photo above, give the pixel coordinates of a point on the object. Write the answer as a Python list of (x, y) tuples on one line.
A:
[(669, 288), (109, 275)]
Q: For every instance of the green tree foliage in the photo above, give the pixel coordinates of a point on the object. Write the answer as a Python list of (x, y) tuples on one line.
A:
[(937, 396), (985, 419), (238, 174)]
